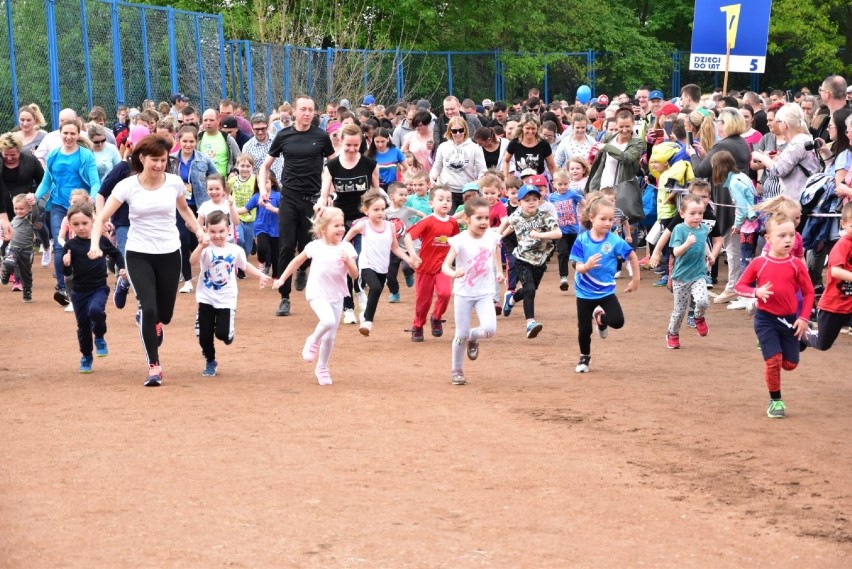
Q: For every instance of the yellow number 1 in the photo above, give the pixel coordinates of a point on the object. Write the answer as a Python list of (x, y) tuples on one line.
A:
[(732, 15)]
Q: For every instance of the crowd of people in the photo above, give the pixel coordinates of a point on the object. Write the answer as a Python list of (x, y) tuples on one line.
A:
[(471, 201)]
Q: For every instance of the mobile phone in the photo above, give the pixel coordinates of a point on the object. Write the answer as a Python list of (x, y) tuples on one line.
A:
[(668, 127), (689, 139), (790, 96)]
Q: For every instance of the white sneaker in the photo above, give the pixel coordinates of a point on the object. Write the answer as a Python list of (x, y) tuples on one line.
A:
[(739, 304), (629, 269), (349, 316), (361, 316), (617, 274), (366, 327), (186, 288), (362, 300), (69, 308), (46, 257)]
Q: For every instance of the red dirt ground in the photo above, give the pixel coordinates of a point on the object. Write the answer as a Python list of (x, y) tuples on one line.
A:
[(658, 458)]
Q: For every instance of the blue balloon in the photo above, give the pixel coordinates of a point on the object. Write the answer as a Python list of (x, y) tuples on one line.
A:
[(584, 94)]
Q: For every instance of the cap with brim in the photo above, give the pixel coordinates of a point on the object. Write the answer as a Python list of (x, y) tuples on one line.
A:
[(527, 189)]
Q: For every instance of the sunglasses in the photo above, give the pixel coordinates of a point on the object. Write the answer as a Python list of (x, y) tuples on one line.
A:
[(101, 141), (457, 130), (261, 129)]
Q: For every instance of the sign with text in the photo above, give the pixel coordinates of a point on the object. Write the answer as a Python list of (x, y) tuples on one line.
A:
[(721, 24)]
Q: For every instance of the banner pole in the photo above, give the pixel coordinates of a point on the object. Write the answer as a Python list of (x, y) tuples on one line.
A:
[(727, 65)]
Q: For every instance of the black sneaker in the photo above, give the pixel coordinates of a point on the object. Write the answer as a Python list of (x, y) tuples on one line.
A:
[(417, 334), (119, 298), (283, 308), (4, 276), (241, 274), (61, 297), (583, 364), (437, 327), (301, 280), (28, 295)]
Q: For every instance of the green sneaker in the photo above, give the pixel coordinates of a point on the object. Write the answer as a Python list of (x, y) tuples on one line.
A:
[(777, 409)]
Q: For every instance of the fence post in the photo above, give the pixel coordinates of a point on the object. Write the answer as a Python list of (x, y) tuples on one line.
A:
[(53, 62), (450, 73), (172, 51), (268, 67), (87, 64), (11, 36), (675, 73), (546, 83), (366, 74), (755, 82), (222, 65), (329, 72), (400, 77), (287, 72), (116, 55), (310, 72), (197, 33), (496, 75), (591, 72), (249, 75), (240, 59), (145, 60)]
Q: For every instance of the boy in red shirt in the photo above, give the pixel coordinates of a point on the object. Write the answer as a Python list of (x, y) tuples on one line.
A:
[(433, 232), (780, 322), (835, 306)]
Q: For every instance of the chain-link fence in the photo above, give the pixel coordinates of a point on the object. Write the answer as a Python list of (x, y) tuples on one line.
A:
[(111, 53)]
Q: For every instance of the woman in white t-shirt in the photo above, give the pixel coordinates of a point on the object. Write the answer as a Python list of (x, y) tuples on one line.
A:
[(153, 242)]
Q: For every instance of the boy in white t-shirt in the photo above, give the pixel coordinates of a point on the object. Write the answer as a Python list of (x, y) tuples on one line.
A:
[(217, 286)]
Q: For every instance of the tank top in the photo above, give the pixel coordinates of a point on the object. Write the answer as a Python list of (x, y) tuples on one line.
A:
[(376, 247)]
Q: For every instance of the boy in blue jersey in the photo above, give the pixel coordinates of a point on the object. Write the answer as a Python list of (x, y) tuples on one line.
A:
[(567, 203), (595, 257)]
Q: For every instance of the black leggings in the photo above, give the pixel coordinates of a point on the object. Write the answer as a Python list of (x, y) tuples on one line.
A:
[(829, 325), (530, 277), (563, 251), (155, 279), (393, 273), (375, 283), (614, 318), (214, 323), (294, 225), (267, 251), (188, 242)]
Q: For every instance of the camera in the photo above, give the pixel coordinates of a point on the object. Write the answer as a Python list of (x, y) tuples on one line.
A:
[(815, 144)]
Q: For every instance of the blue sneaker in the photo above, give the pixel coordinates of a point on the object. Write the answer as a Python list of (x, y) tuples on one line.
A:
[(662, 282), (409, 280), (394, 298), (211, 369), (122, 287), (101, 349), (507, 308), (86, 364), (690, 321), (533, 328)]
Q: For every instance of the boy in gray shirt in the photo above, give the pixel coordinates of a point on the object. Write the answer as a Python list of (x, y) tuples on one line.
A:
[(19, 253)]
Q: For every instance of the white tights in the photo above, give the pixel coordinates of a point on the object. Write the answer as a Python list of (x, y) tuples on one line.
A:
[(484, 307), (326, 330)]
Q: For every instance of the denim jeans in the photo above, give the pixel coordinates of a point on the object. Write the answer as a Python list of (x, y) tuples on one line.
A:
[(57, 214), (245, 236)]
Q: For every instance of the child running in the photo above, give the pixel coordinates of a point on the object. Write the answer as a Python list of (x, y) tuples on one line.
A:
[(219, 200), (402, 217), (567, 203), (689, 247), (266, 225), (780, 321), (217, 287), (536, 230), (90, 292), (243, 185), (19, 251), (476, 254), (835, 306), (594, 255), (332, 259), (378, 242), (434, 232)]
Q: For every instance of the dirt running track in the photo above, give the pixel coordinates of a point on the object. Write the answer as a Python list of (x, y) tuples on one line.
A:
[(657, 458)]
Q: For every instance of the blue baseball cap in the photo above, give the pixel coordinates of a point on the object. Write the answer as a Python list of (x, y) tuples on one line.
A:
[(655, 94), (470, 187), (527, 189), (369, 100)]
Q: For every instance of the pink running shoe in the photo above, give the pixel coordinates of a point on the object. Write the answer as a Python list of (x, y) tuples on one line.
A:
[(323, 376), (309, 352)]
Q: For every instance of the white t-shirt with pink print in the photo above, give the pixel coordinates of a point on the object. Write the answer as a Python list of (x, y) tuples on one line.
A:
[(476, 258)]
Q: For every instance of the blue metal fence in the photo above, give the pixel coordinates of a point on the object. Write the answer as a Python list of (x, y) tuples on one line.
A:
[(112, 53)]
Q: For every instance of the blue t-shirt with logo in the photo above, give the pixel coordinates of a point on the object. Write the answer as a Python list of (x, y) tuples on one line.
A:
[(567, 215), (600, 281)]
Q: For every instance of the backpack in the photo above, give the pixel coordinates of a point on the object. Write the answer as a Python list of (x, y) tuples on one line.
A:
[(816, 186)]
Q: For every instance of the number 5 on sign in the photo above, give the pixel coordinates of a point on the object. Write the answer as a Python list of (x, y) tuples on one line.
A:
[(732, 21)]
